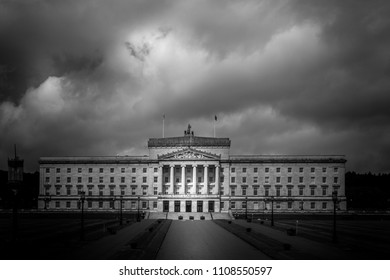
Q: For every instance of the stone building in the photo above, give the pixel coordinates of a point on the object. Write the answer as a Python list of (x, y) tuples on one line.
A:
[(193, 174)]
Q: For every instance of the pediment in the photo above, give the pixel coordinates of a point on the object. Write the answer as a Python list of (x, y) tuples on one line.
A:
[(189, 154)]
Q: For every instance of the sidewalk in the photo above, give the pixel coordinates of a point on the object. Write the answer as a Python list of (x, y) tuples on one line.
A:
[(300, 247)]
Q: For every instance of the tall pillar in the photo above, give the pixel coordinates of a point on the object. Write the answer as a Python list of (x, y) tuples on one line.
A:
[(194, 178), (160, 188), (183, 177), (171, 179), (206, 179), (217, 178)]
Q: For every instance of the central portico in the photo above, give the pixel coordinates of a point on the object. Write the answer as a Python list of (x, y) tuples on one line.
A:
[(190, 170)]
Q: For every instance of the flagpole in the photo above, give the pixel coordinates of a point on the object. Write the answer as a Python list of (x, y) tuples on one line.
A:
[(163, 126), (215, 120)]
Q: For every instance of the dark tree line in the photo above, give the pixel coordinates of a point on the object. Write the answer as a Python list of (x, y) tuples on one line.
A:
[(367, 191)]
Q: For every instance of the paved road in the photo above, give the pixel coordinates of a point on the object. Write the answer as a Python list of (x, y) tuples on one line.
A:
[(204, 240)]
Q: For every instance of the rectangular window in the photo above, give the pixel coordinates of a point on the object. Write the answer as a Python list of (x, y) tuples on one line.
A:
[(111, 191), (323, 179), (89, 179), (243, 191), (100, 192), (266, 192), (155, 179), (79, 170), (112, 170), (312, 170), (58, 191), (336, 180), (278, 169), (255, 170), (324, 206), (68, 204), (78, 179), (233, 204), (144, 179), (300, 179), (277, 191), (244, 179), (100, 170), (154, 204), (289, 205), (324, 169), (255, 191), (123, 170), (133, 192), (133, 170), (133, 205), (323, 191), (312, 205), (144, 170), (90, 170), (277, 205), (312, 191), (243, 205), (301, 169), (266, 180), (144, 205), (155, 190), (68, 170), (289, 191), (47, 170), (144, 191), (289, 179), (289, 170), (68, 179), (233, 169), (313, 180), (255, 180), (300, 191), (123, 179), (233, 179), (100, 179), (277, 179), (58, 170), (90, 192), (111, 179), (166, 179), (233, 191), (133, 179), (222, 205), (335, 170), (266, 170), (47, 179), (244, 169), (58, 180), (57, 204)]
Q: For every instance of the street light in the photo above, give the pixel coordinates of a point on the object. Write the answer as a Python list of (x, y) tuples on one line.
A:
[(272, 211), (334, 198), (246, 208), (120, 210), (138, 217), (82, 199)]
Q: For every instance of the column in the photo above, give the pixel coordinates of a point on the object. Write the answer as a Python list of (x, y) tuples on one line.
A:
[(171, 181), (217, 178), (161, 175), (206, 179), (183, 178), (194, 178)]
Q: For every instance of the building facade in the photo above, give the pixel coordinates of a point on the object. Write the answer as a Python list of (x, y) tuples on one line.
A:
[(192, 174)]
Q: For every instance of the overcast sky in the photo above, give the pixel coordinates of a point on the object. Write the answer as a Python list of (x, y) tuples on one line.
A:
[(283, 77)]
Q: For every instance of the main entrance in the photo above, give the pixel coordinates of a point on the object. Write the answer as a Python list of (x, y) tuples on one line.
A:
[(165, 206), (211, 206), (188, 206), (199, 206)]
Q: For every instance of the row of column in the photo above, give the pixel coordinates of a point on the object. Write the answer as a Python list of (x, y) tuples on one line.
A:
[(194, 177)]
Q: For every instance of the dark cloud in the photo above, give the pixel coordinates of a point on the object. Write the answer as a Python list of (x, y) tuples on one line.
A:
[(95, 77)]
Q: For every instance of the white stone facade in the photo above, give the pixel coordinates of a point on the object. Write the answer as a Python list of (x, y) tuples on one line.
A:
[(192, 174)]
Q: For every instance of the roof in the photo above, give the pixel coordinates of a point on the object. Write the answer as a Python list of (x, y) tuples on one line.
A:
[(187, 141)]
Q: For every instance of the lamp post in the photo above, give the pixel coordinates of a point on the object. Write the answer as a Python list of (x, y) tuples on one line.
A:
[(272, 211), (120, 209), (246, 208), (265, 208), (334, 198), (138, 216), (82, 199)]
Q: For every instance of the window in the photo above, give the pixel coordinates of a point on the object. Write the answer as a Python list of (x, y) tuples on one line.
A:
[(289, 205), (312, 205), (144, 191), (112, 170), (154, 204), (100, 179), (100, 192), (144, 179), (289, 191), (57, 204), (100, 204), (300, 169), (277, 179), (233, 179), (312, 180), (133, 170), (336, 180), (243, 205), (79, 170), (144, 170), (122, 191), (266, 170), (324, 206), (277, 191), (155, 191), (133, 191), (233, 191), (90, 191), (233, 204), (323, 179), (58, 170), (255, 170), (68, 204), (68, 179), (335, 170), (47, 170), (58, 190), (89, 179), (47, 179), (144, 205), (255, 179), (255, 191), (100, 170), (155, 170), (312, 170), (278, 169), (289, 179), (243, 191), (266, 192), (68, 170), (300, 179), (89, 204), (111, 179), (323, 191), (324, 169), (123, 179), (112, 204), (133, 179), (244, 179), (222, 205), (178, 180), (58, 179), (266, 180), (111, 191), (133, 205), (300, 191), (89, 170), (78, 179), (233, 169), (277, 205), (289, 170), (123, 170), (166, 179), (312, 191), (244, 169), (155, 179)]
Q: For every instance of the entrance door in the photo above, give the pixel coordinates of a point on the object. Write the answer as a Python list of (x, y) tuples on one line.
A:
[(188, 206), (177, 206), (211, 206), (165, 206), (199, 206)]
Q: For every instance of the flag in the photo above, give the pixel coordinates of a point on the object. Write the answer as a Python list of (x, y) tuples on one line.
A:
[(164, 116), (215, 118)]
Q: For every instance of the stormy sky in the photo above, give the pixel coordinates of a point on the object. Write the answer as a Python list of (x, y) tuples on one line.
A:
[(283, 77)]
